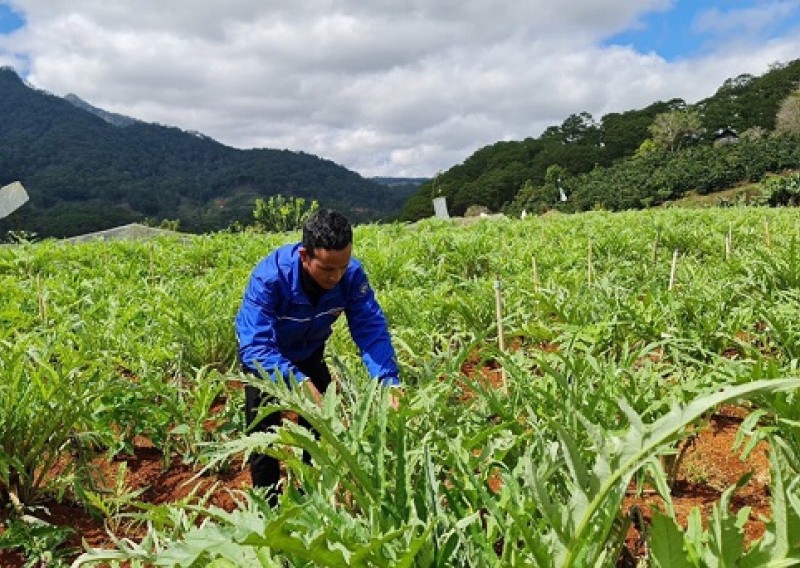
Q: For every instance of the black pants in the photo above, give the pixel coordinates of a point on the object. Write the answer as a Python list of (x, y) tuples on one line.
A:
[(265, 470)]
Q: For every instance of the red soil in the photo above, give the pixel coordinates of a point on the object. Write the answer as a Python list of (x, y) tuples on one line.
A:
[(145, 469), (708, 468)]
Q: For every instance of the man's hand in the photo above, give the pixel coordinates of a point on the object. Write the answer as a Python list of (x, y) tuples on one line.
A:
[(394, 398), (313, 392)]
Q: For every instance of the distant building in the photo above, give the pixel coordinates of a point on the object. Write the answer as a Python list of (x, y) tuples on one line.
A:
[(725, 135), (132, 232)]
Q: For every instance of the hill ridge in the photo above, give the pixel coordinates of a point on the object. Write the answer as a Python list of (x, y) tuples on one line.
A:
[(84, 174), (496, 174)]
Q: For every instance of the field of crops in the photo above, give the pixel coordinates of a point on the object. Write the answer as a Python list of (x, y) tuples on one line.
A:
[(623, 335)]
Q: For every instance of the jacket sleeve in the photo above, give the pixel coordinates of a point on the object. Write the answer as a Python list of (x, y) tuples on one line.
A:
[(255, 330), (370, 332)]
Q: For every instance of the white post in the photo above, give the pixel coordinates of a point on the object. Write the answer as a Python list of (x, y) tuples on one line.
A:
[(673, 269), (440, 208), (729, 242), (501, 341)]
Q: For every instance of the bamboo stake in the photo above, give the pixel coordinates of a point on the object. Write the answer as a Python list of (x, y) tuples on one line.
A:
[(590, 266), (767, 236), (15, 501), (655, 247), (673, 269), (501, 341), (535, 275), (729, 242)]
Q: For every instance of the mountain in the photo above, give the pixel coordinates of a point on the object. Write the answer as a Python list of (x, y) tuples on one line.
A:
[(87, 171), (408, 186), (395, 181), (109, 117), (496, 174)]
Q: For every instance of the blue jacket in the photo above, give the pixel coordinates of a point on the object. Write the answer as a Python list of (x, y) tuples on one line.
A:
[(277, 325)]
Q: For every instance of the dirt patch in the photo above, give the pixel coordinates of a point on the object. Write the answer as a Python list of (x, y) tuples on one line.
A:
[(146, 470), (486, 375), (709, 467)]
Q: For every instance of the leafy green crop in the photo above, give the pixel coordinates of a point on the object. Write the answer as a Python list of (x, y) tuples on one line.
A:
[(608, 367), (46, 397)]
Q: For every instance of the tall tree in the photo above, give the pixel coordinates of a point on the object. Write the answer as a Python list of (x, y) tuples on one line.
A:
[(787, 120), (580, 128), (670, 130)]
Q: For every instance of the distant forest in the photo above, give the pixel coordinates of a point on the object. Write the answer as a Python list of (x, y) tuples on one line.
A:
[(84, 173), (88, 170), (617, 162)]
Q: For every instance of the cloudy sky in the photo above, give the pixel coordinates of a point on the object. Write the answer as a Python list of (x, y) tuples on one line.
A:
[(392, 88)]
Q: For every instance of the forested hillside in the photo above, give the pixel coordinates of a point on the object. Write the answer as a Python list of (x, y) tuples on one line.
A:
[(85, 174), (610, 162)]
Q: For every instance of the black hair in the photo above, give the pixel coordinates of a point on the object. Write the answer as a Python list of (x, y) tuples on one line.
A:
[(326, 229)]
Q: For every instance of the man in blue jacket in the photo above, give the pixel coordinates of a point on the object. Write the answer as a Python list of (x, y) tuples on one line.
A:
[(293, 298)]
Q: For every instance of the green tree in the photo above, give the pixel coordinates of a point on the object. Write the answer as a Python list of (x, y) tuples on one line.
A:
[(279, 214), (554, 175), (624, 132), (782, 191), (578, 128), (646, 148), (787, 120), (671, 129)]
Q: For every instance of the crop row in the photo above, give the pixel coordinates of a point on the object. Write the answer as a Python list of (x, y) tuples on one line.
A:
[(626, 329)]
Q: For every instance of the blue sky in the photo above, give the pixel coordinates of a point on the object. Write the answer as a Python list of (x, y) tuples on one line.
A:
[(9, 20), (691, 28), (403, 88)]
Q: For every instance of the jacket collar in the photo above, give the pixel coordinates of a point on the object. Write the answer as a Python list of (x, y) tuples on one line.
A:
[(295, 278)]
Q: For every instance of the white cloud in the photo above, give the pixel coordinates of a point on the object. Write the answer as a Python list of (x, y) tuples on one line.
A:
[(384, 88)]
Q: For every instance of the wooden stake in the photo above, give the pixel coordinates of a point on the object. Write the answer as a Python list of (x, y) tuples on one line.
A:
[(673, 269), (18, 506), (501, 341), (767, 237), (729, 242), (535, 275), (655, 247)]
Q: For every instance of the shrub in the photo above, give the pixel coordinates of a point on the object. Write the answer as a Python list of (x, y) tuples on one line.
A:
[(280, 214)]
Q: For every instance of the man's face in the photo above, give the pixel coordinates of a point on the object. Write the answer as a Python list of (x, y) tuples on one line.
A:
[(326, 266)]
